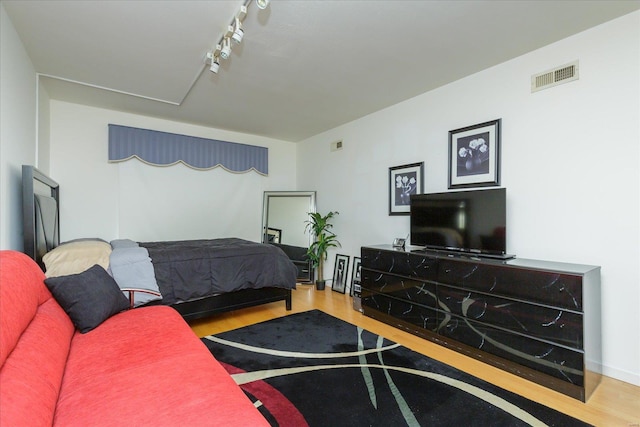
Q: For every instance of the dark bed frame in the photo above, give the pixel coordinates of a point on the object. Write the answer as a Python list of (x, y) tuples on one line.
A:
[(40, 210)]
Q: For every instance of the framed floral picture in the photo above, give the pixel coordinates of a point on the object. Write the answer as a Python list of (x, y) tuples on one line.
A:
[(404, 181), (474, 155)]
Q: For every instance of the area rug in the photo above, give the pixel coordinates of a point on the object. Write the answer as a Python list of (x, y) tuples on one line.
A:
[(313, 369)]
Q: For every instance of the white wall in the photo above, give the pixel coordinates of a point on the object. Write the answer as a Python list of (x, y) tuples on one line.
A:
[(570, 161), (17, 129), (142, 202), (44, 126)]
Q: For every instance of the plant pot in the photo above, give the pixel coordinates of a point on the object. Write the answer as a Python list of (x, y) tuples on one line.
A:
[(320, 285)]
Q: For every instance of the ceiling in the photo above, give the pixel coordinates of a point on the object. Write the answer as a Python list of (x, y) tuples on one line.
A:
[(304, 66)]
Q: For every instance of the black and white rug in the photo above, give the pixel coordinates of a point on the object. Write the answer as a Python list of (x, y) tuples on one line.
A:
[(313, 369)]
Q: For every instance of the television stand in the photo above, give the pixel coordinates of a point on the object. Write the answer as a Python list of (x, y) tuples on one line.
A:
[(536, 319), (463, 254), (489, 256)]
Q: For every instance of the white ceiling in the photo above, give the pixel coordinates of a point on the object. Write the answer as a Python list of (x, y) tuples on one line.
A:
[(305, 66)]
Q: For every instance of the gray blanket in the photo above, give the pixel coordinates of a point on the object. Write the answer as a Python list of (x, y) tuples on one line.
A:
[(131, 267), (190, 269)]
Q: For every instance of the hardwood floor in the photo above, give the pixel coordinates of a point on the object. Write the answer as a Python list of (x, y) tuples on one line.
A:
[(613, 403)]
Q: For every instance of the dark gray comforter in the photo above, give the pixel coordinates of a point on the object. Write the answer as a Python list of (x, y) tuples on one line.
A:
[(191, 269)]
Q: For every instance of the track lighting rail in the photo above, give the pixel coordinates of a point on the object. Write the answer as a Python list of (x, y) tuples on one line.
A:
[(233, 35)]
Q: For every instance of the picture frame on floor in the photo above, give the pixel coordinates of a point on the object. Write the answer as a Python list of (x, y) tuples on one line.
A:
[(340, 270), (474, 155), (355, 274), (404, 181)]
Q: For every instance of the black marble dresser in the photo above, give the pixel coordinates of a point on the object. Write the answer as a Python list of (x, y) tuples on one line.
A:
[(536, 319)]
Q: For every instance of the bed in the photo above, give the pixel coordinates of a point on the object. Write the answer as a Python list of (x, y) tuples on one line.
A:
[(198, 278)]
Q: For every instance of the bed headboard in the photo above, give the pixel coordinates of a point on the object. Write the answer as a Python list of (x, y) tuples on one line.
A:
[(40, 213)]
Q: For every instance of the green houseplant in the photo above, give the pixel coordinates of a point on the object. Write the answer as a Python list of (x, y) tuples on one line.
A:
[(320, 226)]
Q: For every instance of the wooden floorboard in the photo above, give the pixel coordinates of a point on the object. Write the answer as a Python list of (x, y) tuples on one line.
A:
[(613, 403)]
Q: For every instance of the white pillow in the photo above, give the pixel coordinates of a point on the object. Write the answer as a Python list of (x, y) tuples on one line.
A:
[(76, 257)]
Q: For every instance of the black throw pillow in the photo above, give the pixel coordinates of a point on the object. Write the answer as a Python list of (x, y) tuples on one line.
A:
[(89, 298)]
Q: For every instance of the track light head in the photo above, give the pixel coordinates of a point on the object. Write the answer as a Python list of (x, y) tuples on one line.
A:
[(262, 4), (238, 32), (214, 60), (215, 65), (226, 49)]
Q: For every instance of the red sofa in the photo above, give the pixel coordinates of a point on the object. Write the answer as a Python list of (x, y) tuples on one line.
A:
[(139, 367)]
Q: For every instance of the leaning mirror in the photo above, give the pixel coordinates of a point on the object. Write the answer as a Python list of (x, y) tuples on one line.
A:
[(283, 224)]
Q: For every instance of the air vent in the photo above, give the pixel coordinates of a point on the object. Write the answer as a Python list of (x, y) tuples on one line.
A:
[(564, 74), (335, 146)]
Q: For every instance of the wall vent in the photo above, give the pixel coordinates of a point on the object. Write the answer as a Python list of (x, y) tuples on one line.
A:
[(335, 146), (559, 75)]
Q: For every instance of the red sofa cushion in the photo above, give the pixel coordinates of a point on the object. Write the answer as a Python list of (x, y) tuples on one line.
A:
[(146, 367)]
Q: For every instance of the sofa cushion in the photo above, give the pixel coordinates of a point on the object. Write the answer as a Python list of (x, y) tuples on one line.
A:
[(147, 367), (89, 298)]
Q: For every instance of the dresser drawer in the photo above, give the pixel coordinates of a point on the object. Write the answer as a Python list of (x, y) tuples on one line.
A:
[(399, 287), (400, 262), (557, 361), (414, 314), (545, 287), (552, 324)]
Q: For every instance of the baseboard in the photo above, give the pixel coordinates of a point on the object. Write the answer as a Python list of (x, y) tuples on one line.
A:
[(632, 378)]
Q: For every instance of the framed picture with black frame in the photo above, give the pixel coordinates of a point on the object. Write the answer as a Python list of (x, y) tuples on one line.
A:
[(340, 270), (404, 181), (355, 274), (474, 155), (274, 235)]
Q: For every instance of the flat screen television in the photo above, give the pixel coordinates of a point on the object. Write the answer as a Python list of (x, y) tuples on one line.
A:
[(471, 222)]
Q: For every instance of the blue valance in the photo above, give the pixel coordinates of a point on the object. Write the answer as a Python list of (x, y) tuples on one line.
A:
[(162, 149)]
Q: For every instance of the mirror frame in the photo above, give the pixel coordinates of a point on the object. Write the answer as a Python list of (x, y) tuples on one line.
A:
[(306, 272), (265, 207)]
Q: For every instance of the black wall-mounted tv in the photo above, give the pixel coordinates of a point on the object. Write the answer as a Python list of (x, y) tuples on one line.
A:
[(473, 222)]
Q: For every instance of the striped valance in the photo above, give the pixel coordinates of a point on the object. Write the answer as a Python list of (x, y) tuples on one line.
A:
[(163, 149)]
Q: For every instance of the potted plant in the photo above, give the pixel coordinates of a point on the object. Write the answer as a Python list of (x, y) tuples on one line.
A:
[(324, 239)]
